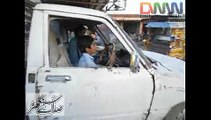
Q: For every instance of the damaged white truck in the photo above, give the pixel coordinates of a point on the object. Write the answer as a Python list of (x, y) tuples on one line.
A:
[(132, 89)]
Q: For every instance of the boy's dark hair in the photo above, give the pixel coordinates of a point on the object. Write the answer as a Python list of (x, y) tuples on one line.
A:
[(84, 42)]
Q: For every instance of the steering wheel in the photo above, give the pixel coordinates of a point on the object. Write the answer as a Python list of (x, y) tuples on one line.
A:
[(107, 56)]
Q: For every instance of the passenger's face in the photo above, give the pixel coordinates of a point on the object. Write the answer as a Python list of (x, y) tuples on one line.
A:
[(93, 36), (82, 32)]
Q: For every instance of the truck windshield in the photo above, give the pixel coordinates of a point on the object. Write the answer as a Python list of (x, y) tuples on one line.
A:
[(138, 49)]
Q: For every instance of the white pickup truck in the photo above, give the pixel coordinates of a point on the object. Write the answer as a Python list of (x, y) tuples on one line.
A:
[(133, 89)]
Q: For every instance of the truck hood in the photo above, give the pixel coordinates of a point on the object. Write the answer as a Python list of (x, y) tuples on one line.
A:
[(169, 73), (168, 66)]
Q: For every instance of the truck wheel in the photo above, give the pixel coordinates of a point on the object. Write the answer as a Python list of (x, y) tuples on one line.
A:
[(176, 113)]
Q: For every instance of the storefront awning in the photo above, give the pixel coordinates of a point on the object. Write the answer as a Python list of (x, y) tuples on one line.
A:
[(126, 17), (166, 25)]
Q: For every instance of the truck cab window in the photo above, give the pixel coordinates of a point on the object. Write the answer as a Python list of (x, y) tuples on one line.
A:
[(123, 56), (63, 42), (58, 56)]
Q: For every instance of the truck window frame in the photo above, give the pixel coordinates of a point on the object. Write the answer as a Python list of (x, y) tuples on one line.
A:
[(105, 21)]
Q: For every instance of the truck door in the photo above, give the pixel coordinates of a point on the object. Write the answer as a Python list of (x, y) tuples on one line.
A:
[(71, 92)]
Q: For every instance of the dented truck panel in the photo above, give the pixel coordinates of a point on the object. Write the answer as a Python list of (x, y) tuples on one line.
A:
[(169, 96)]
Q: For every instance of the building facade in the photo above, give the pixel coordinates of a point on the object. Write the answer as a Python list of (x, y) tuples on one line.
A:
[(134, 15), (152, 21)]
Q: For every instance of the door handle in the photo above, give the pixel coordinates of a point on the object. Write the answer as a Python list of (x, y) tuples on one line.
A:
[(58, 78)]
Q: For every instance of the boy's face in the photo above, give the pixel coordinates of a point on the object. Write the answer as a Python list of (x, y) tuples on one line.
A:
[(92, 49)]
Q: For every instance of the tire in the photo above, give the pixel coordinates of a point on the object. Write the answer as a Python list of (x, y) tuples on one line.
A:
[(176, 113)]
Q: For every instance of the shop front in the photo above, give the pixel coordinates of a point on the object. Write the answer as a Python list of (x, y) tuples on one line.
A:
[(167, 38)]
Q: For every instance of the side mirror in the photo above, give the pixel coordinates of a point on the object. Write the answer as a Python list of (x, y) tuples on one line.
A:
[(134, 63)]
